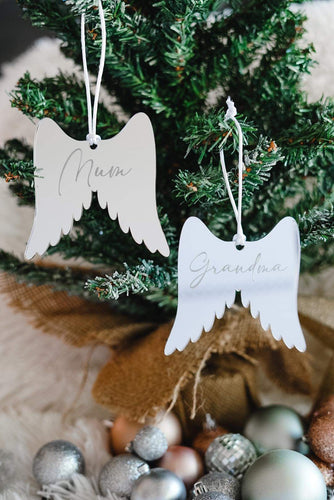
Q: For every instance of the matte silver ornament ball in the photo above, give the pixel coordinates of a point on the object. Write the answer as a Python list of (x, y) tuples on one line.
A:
[(222, 482), (232, 453), (150, 443), (120, 474), (8, 470), (159, 484), (57, 461), (275, 427), (283, 474)]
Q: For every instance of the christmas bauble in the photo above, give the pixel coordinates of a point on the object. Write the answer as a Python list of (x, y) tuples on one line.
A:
[(274, 427), (222, 482), (185, 462), (321, 437), (120, 474), (283, 474), (150, 443), (231, 453), (57, 461), (8, 469), (171, 427), (159, 484)]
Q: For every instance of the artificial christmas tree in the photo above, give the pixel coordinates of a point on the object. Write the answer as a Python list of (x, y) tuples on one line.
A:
[(178, 61)]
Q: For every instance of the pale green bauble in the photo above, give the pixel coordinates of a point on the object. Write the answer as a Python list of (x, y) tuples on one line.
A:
[(275, 427), (283, 475)]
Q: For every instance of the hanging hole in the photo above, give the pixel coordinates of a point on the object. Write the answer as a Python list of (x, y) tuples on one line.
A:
[(93, 146), (239, 247)]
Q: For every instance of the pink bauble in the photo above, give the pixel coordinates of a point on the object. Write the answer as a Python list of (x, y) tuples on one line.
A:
[(184, 462), (171, 427)]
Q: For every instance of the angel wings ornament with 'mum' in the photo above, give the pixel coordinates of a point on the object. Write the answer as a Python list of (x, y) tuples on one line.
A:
[(121, 170)]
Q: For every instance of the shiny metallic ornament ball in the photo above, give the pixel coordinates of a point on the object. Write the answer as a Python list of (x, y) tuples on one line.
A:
[(283, 474), (275, 427), (150, 443), (8, 470), (222, 482), (120, 474), (231, 453), (159, 484), (57, 461)]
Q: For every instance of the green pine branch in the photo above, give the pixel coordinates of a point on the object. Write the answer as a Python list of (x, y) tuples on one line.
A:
[(134, 280)]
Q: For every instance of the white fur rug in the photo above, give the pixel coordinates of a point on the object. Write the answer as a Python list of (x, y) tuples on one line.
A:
[(40, 375), (26, 430)]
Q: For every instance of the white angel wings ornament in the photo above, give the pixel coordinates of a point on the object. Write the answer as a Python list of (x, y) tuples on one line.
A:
[(210, 271), (122, 170)]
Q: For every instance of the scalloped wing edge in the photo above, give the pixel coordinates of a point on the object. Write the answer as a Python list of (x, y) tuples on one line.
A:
[(203, 325)]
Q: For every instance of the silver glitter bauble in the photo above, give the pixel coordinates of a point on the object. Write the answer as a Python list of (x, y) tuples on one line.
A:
[(159, 484), (231, 453), (120, 474), (201, 492), (150, 443), (275, 427), (221, 482), (7, 469), (283, 474), (57, 461)]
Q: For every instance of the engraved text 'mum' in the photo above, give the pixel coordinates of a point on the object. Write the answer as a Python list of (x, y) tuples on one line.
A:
[(87, 168)]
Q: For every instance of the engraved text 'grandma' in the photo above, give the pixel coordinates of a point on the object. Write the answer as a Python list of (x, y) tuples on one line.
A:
[(201, 266)]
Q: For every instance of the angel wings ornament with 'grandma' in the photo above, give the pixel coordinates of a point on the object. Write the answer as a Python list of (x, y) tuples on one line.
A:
[(211, 271)]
